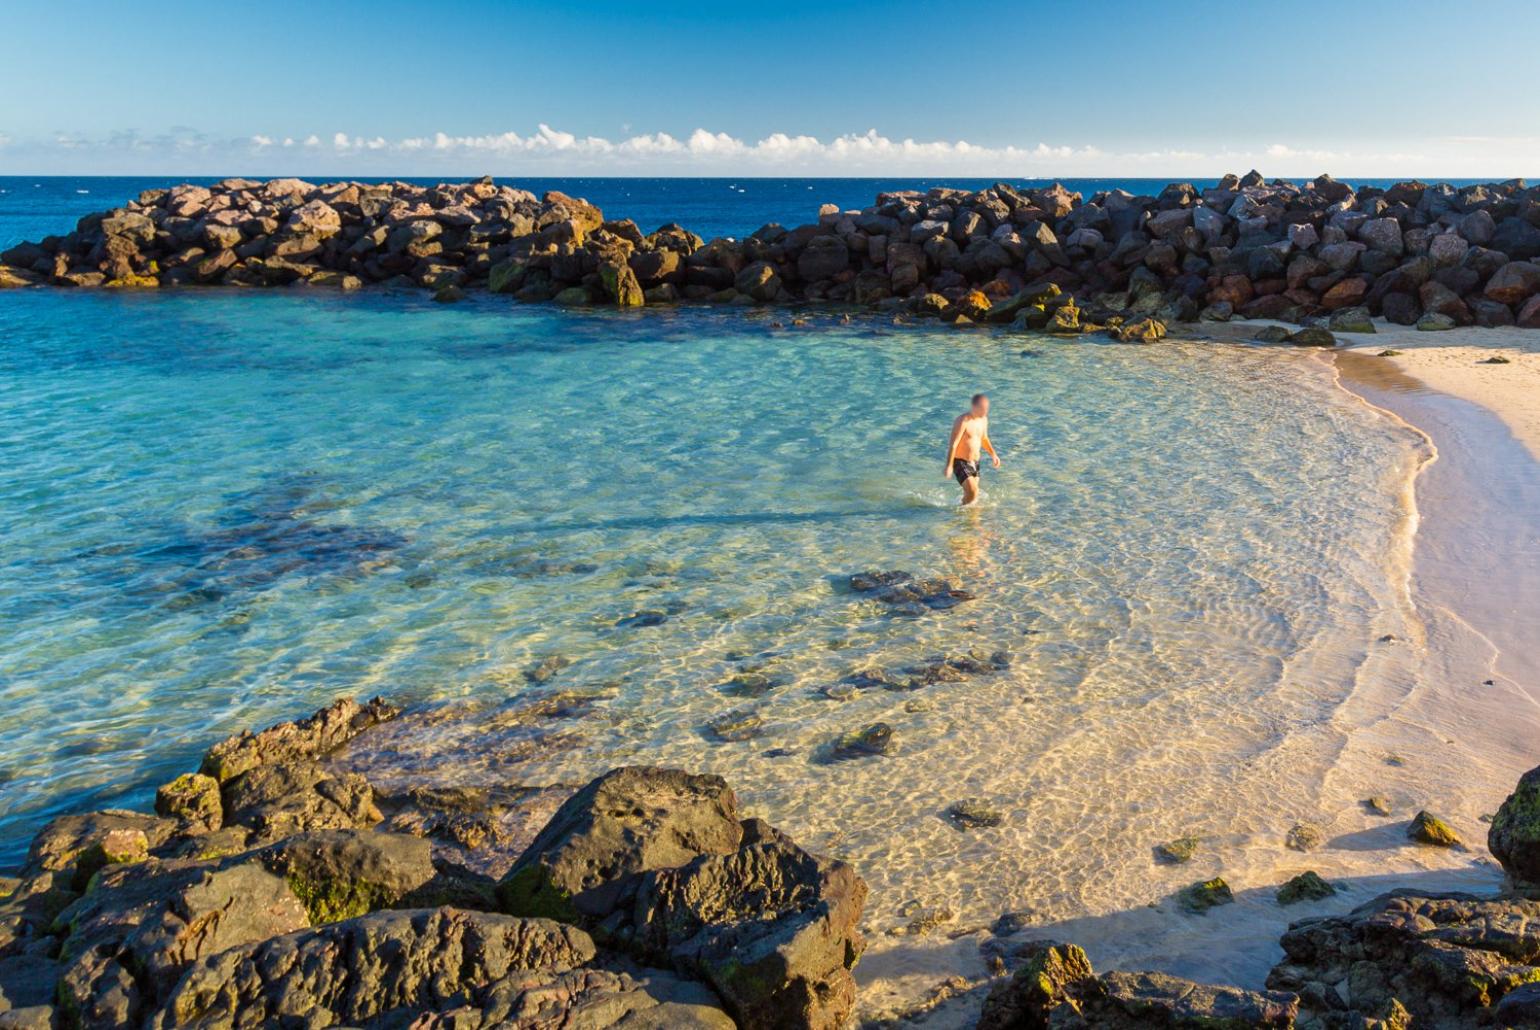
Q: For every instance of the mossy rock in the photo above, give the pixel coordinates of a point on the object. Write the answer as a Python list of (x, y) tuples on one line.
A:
[(572, 297), (1379, 804), (1200, 897), (876, 739), (1514, 836), (1496, 359), (1307, 886), (1430, 829), (1175, 852), (334, 901), (1314, 336), (1390, 353), (506, 276), (1271, 334), (193, 799)]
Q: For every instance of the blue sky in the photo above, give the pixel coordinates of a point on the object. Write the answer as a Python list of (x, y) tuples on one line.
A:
[(782, 88)]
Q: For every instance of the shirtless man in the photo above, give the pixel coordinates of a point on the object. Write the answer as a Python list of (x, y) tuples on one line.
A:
[(970, 435)]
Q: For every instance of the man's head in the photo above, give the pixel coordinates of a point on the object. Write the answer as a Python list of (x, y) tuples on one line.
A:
[(980, 404)]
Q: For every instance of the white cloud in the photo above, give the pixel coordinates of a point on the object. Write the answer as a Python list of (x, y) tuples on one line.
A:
[(703, 151)]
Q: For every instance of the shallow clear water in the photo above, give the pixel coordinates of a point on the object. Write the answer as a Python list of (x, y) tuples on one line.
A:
[(224, 510)]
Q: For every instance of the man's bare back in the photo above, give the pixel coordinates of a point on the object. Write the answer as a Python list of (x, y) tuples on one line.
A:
[(970, 439)]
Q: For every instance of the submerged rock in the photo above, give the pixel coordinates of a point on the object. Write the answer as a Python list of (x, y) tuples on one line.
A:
[(876, 739), (1175, 852), (974, 813), (906, 594), (736, 725)]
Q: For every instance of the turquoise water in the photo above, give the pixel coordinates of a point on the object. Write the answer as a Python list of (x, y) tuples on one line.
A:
[(221, 510)]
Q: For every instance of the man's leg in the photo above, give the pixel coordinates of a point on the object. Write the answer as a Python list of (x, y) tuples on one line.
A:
[(970, 490)]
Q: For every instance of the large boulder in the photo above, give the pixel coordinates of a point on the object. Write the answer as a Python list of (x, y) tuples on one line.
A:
[(131, 937), (656, 862), (378, 969), (1057, 988), (312, 737), (74, 847), (772, 928), (823, 258), (625, 823), (339, 874), (1447, 959), (1514, 837), (1514, 283), (275, 801)]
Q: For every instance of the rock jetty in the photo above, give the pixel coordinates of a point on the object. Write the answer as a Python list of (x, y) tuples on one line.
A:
[(1046, 258), (272, 889)]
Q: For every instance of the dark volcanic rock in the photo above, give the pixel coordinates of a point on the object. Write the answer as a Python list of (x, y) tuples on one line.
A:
[(399, 964), (1056, 987), (1448, 959), (312, 737), (131, 937), (1514, 836), (278, 800), (656, 862), (627, 822)]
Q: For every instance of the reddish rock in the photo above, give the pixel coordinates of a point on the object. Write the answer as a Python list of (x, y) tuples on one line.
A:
[(1529, 314), (1235, 290), (1345, 294), (1514, 283)]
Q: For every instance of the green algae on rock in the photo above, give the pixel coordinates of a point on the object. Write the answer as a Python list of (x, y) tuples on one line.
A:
[(1199, 897), (1177, 851), (1307, 886), (1430, 829), (1514, 836)]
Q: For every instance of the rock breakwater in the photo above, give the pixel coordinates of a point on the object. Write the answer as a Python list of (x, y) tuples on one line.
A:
[(1045, 258)]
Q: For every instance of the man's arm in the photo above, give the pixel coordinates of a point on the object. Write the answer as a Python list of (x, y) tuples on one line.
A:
[(951, 447), (991, 449)]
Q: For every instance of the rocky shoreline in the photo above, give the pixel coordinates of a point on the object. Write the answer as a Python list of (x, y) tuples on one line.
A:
[(275, 888), (1435, 256)]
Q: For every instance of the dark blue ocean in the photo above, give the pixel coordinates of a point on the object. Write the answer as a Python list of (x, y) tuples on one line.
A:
[(31, 207)]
